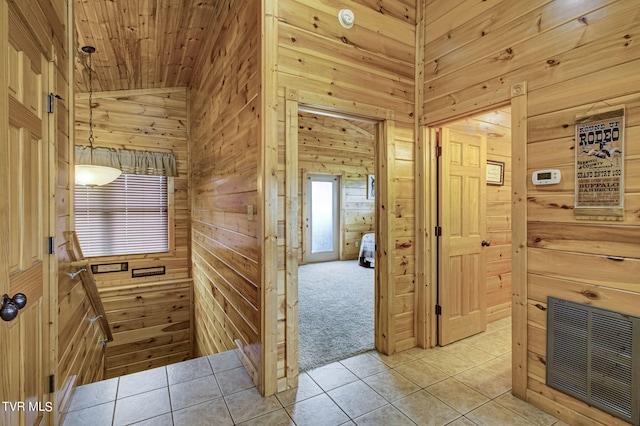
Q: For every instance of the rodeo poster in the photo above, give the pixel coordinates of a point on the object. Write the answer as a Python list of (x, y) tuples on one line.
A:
[(599, 164)]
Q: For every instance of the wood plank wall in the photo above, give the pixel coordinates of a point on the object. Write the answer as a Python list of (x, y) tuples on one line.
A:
[(372, 63), (336, 146), (150, 317), (573, 56), (496, 126), (498, 256), (225, 131)]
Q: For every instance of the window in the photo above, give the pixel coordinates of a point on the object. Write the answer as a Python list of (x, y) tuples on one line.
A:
[(127, 216)]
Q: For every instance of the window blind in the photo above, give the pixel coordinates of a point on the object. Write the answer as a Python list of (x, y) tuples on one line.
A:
[(127, 216)]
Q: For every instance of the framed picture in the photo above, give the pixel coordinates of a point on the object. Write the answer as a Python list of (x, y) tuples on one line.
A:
[(599, 164), (495, 172), (371, 186)]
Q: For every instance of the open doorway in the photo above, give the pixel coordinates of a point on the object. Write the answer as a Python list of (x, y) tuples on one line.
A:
[(474, 216), (336, 162)]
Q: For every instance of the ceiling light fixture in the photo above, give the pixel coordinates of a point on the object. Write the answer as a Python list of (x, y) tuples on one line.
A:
[(91, 174)]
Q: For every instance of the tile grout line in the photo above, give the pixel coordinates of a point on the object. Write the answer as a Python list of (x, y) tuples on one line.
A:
[(166, 372), (223, 396), (115, 403)]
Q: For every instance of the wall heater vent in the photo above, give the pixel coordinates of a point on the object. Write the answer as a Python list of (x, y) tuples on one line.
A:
[(593, 354)]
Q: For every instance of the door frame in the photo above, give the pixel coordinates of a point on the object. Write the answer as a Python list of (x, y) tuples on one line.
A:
[(297, 101), (427, 242)]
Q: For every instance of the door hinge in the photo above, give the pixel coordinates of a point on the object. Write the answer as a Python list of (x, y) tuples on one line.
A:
[(438, 231), (438, 310), (51, 247), (438, 151), (51, 101), (52, 383)]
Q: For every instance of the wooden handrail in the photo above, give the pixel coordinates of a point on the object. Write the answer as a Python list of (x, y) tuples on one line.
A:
[(77, 260), (79, 263)]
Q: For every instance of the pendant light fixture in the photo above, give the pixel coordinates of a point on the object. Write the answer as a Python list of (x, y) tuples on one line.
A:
[(91, 174)]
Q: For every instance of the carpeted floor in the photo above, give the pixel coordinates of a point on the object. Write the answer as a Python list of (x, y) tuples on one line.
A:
[(335, 312)]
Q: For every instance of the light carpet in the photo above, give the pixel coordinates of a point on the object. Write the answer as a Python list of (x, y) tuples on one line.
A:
[(335, 305)]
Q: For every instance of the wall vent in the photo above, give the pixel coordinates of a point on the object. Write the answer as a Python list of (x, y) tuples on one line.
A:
[(593, 354)]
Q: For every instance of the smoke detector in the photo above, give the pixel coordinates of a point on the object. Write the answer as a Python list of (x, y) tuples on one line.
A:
[(346, 18)]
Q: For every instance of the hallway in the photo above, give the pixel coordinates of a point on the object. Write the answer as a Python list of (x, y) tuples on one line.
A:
[(466, 383)]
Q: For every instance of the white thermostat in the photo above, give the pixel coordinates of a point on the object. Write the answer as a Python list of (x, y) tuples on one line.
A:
[(546, 177)]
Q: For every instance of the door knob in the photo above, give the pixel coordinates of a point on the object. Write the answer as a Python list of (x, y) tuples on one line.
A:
[(486, 243), (11, 306), (20, 300)]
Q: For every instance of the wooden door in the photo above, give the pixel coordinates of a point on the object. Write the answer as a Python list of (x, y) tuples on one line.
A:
[(461, 292), (26, 211)]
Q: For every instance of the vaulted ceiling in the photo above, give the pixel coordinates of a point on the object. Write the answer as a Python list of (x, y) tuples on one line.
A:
[(140, 44)]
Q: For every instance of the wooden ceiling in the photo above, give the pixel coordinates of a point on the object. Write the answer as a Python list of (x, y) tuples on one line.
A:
[(140, 44)]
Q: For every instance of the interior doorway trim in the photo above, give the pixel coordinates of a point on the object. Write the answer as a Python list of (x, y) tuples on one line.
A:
[(426, 174), (295, 102)]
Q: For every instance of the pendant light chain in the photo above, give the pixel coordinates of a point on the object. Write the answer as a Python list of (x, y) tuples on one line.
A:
[(91, 105), (93, 174)]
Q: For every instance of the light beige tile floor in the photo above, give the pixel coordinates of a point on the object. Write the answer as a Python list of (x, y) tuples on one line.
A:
[(466, 383)]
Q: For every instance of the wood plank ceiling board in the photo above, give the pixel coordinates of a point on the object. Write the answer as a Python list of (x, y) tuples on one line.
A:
[(140, 44), (404, 10)]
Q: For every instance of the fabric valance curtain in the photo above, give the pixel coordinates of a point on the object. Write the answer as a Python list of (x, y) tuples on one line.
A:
[(130, 162)]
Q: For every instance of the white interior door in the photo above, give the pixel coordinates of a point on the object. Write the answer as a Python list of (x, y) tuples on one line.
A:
[(323, 218)]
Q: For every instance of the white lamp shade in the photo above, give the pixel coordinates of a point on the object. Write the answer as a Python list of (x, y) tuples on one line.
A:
[(92, 175)]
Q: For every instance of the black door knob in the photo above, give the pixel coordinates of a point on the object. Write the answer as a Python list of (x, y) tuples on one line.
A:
[(11, 306), (20, 300), (8, 311), (486, 243)]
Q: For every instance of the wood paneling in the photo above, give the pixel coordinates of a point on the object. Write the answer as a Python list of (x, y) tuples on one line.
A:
[(146, 120), (572, 59), (140, 45), (338, 146), (150, 323), (224, 142), (371, 64)]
